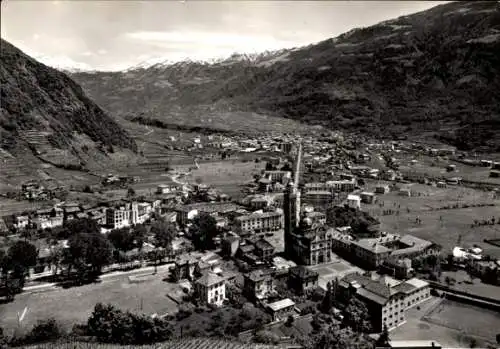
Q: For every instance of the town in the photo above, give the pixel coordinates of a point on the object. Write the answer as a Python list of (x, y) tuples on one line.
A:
[(390, 239)]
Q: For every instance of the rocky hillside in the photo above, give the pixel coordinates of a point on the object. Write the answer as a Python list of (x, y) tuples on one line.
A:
[(437, 71), (44, 110)]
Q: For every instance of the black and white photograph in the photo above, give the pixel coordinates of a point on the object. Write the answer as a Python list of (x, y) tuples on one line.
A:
[(249, 174)]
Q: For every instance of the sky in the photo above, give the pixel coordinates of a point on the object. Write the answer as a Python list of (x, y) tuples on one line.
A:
[(115, 35)]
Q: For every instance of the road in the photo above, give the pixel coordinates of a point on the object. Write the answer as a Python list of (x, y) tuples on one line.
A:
[(105, 278)]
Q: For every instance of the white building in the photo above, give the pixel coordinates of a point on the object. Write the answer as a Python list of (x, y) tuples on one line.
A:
[(211, 289), (354, 201)]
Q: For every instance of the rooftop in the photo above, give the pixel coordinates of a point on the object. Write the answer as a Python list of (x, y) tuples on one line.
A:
[(281, 304), (210, 279), (302, 272), (259, 274), (263, 244), (373, 245)]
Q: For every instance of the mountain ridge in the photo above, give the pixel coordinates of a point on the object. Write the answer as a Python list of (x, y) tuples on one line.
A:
[(45, 116), (435, 70)]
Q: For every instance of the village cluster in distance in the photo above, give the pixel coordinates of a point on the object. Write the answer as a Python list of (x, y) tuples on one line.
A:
[(283, 240)]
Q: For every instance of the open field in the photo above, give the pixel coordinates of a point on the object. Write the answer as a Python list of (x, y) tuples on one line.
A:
[(450, 326), (476, 287), (245, 122), (437, 168), (225, 175), (443, 226), (74, 305), (10, 206), (475, 321)]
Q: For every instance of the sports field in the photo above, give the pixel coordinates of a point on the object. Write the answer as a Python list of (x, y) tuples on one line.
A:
[(442, 213), (449, 323), (74, 305)]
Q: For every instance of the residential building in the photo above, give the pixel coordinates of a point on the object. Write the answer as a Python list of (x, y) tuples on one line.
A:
[(259, 284), (186, 213), (354, 201), (21, 222), (367, 197), (371, 253), (387, 299), (168, 188), (123, 216), (230, 245), (282, 309), (211, 289), (258, 222), (318, 199), (278, 176), (264, 250), (302, 279), (382, 189)]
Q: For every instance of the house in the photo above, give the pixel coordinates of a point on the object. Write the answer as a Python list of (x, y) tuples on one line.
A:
[(382, 189), (230, 245), (210, 289), (278, 176), (302, 279), (387, 299), (258, 222), (186, 213), (367, 197), (21, 222), (210, 264), (282, 266), (318, 198), (354, 201), (259, 284), (264, 250), (185, 266), (167, 188), (399, 268), (280, 310)]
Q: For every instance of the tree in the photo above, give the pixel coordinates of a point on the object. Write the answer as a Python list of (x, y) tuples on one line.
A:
[(286, 167), (498, 338), (270, 167), (14, 266), (204, 230), (164, 234), (140, 234), (111, 325), (327, 302), (331, 337), (130, 192), (289, 321), (357, 316), (45, 330), (121, 239), (88, 250), (383, 340), (21, 255)]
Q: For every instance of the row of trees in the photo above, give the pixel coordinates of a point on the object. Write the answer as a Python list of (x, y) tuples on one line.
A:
[(14, 264), (89, 251)]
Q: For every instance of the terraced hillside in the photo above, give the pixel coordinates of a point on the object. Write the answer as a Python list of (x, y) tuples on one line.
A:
[(46, 117)]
